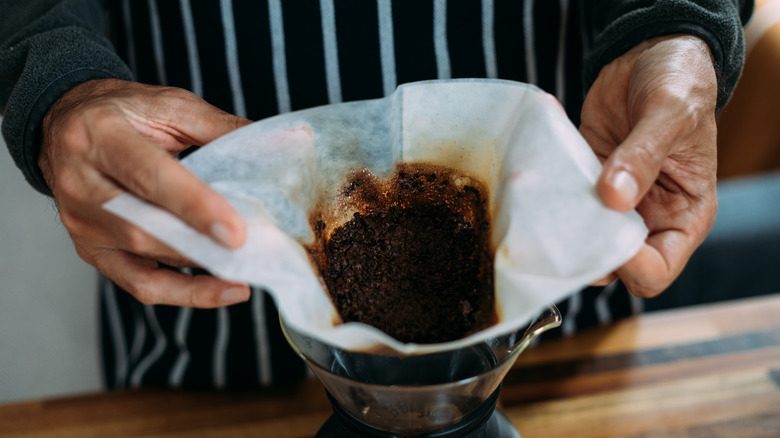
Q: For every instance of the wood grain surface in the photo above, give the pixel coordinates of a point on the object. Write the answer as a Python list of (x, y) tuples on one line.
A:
[(707, 371)]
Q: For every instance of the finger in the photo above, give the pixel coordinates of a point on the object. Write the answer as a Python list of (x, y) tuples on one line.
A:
[(660, 260), (80, 199), (138, 241), (104, 230), (150, 284), (151, 174), (634, 166), (605, 280)]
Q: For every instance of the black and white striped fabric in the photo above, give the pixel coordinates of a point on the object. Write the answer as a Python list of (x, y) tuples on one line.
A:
[(258, 58)]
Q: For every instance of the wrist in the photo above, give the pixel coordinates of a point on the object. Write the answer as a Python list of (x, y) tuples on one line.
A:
[(58, 113)]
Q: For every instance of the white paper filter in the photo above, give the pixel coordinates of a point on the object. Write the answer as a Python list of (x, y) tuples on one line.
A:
[(552, 233)]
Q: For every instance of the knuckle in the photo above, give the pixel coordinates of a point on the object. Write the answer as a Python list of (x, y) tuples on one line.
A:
[(144, 292), (198, 210), (176, 94), (203, 300), (86, 255), (645, 152), (67, 185), (136, 240), (204, 293), (144, 181), (70, 222), (189, 207), (690, 114), (648, 289), (103, 114), (238, 122), (688, 111), (711, 209), (72, 138), (76, 136)]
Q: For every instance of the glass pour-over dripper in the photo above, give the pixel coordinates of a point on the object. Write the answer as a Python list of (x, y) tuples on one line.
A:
[(421, 394)]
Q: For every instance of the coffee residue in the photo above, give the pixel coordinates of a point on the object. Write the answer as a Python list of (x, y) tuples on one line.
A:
[(412, 256)]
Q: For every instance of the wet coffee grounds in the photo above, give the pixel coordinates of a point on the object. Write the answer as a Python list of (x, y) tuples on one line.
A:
[(414, 260)]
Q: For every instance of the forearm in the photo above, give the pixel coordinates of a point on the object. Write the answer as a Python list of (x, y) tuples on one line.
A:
[(618, 25), (46, 48)]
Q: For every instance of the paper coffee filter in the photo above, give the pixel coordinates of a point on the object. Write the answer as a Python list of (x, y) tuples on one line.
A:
[(551, 232)]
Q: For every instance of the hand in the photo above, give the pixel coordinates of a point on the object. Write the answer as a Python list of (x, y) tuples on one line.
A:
[(104, 137), (650, 117)]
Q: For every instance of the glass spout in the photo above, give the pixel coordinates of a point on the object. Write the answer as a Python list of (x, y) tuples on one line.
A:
[(509, 346)]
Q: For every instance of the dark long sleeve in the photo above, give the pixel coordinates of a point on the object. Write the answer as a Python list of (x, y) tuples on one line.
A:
[(46, 48), (619, 25)]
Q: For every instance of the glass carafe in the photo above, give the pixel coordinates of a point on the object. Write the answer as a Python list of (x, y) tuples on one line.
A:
[(421, 394)]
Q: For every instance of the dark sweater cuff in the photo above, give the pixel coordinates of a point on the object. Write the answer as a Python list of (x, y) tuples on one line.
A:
[(41, 68), (31, 134)]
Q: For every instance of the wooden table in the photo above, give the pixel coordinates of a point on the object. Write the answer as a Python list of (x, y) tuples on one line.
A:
[(708, 371)]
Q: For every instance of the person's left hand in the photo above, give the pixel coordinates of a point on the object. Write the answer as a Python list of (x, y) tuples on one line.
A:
[(650, 117)]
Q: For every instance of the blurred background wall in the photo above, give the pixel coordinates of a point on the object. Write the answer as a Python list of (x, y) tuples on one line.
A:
[(48, 300)]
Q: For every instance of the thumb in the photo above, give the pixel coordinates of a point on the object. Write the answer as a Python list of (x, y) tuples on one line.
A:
[(198, 120), (634, 166), (215, 123)]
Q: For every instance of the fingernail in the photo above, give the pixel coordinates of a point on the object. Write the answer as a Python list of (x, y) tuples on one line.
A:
[(233, 295), (222, 234), (626, 186)]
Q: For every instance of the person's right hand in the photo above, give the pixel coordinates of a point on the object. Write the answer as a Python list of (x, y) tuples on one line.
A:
[(104, 137)]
